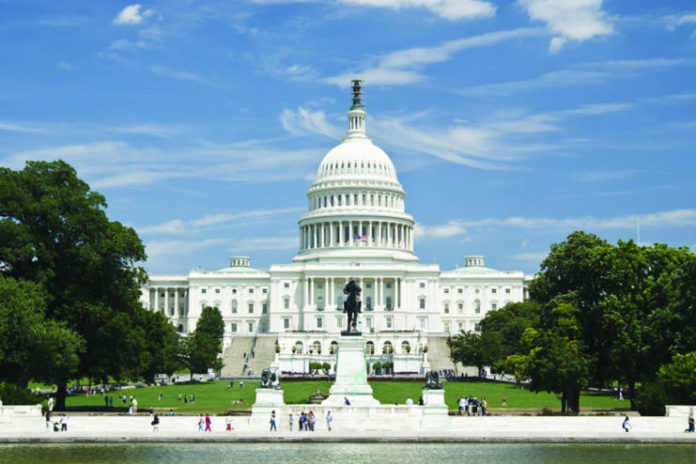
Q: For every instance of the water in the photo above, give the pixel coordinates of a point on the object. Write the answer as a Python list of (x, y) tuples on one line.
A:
[(215, 453)]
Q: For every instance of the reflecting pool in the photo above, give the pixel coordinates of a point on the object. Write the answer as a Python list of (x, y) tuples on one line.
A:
[(305, 453)]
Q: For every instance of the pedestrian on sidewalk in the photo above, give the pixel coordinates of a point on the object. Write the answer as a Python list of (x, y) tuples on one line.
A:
[(201, 422), (690, 424), (155, 423), (48, 420), (228, 424), (273, 421), (208, 422), (329, 420), (290, 421), (626, 425)]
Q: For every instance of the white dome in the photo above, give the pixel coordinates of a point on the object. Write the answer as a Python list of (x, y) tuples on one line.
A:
[(356, 157)]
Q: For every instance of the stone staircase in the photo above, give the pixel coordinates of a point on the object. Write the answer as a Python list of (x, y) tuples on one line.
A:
[(439, 354), (240, 352)]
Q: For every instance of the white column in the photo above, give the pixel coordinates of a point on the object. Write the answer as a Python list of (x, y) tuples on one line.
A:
[(176, 302), (166, 302), (156, 299), (306, 292), (379, 234), (331, 235), (340, 233), (321, 235)]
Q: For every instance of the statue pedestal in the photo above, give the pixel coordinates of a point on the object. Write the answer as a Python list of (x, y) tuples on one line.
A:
[(267, 400), (435, 413), (351, 375)]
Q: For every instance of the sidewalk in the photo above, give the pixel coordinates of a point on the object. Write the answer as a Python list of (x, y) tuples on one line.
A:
[(87, 429)]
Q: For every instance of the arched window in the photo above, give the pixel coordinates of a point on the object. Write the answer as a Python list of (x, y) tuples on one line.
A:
[(298, 347), (334, 347), (387, 348), (370, 348), (405, 347)]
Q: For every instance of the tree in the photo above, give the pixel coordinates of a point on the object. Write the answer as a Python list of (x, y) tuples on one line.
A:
[(202, 347), (30, 345), (506, 326), (557, 361), (472, 349), (54, 232)]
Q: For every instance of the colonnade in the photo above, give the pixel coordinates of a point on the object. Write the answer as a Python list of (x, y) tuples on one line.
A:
[(356, 233), (166, 309), (331, 284)]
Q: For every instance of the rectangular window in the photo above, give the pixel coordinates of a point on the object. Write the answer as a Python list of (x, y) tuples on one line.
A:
[(251, 290), (389, 285), (233, 327), (446, 290), (477, 327), (368, 285), (447, 327), (494, 306), (320, 322), (493, 290), (286, 323), (264, 290), (251, 327), (460, 290), (339, 322), (251, 308), (423, 322), (507, 291), (461, 326), (421, 303), (460, 307), (217, 290), (264, 308), (320, 284), (446, 308), (203, 290), (286, 303), (286, 285), (389, 323), (422, 285), (368, 322)]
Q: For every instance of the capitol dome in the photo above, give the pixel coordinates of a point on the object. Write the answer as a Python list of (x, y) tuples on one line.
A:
[(356, 203)]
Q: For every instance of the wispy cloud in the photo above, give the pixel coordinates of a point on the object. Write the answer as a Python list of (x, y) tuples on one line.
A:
[(582, 74), (403, 67), (15, 127), (304, 121), (449, 9), (171, 73), (131, 15), (569, 20), (660, 219), (673, 21), (213, 221), (531, 256), (602, 176)]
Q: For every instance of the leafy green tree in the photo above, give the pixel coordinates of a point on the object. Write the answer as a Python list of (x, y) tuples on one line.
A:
[(201, 348), (472, 349), (30, 345), (54, 232), (557, 361), (679, 378), (505, 326)]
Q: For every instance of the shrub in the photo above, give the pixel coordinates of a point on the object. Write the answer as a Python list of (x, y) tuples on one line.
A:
[(13, 395), (651, 399)]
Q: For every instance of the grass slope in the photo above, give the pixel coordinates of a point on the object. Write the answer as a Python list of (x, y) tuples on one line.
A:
[(217, 396)]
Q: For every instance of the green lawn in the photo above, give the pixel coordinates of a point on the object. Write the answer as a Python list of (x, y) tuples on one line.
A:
[(217, 397)]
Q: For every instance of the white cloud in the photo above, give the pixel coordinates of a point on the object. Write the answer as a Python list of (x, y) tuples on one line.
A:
[(132, 15), (575, 20), (660, 219), (672, 21), (598, 72), (305, 121), (449, 9), (403, 67), (14, 127), (451, 229), (602, 176)]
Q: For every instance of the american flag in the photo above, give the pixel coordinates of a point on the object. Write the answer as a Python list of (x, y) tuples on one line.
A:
[(361, 238)]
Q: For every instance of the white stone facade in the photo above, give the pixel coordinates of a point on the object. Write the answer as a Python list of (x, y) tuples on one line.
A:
[(356, 227)]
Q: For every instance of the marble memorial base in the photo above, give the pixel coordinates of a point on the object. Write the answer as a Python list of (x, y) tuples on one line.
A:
[(351, 375), (435, 412), (267, 400)]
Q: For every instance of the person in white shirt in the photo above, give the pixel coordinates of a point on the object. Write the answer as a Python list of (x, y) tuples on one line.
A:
[(409, 401)]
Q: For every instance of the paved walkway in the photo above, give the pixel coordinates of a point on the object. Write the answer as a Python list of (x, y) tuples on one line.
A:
[(455, 430)]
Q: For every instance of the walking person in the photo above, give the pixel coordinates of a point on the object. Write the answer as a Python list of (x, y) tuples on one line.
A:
[(329, 420), (626, 425), (50, 404), (228, 424), (273, 421), (312, 421), (155, 423), (208, 422), (63, 423), (290, 421), (48, 420), (484, 405), (201, 422)]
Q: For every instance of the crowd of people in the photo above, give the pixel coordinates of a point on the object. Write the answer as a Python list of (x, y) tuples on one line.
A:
[(472, 406)]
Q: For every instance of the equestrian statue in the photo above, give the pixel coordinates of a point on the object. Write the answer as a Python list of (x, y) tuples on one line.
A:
[(352, 306)]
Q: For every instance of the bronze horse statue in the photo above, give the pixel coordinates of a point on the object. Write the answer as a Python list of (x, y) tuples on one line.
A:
[(352, 306)]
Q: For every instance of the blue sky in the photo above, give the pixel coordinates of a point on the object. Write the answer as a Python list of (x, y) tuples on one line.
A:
[(510, 123)]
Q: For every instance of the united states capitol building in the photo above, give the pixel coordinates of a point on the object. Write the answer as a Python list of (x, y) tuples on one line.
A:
[(356, 227)]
